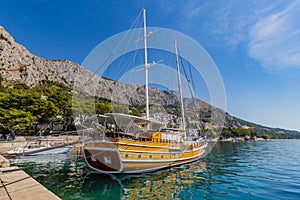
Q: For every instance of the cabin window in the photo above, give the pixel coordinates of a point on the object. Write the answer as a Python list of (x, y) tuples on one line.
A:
[(139, 156), (126, 155), (150, 156), (161, 156)]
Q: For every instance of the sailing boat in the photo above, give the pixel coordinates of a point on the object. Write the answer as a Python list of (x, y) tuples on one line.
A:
[(148, 150)]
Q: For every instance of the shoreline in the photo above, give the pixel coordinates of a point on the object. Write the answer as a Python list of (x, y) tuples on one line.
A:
[(241, 139)]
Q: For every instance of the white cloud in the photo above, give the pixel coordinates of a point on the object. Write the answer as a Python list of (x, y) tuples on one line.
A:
[(234, 18), (275, 39), (270, 29), (189, 9), (194, 12), (168, 6)]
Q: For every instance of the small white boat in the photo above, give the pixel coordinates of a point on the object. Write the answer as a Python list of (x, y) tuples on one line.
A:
[(25, 150), (41, 146), (42, 150), (53, 150)]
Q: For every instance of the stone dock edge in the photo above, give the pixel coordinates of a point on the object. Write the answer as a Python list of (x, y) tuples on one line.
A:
[(15, 184)]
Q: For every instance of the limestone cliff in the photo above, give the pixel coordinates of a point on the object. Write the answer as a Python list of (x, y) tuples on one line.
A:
[(18, 65)]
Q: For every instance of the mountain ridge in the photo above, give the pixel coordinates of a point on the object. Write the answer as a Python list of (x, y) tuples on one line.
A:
[(18, 65)]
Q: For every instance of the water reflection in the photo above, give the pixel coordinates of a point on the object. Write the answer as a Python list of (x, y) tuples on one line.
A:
[(41, 159), (167, 184), (101, 186), (70, 178), (231, 170)]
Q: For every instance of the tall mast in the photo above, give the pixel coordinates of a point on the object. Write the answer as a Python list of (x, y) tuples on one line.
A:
[(146, 64), (180, 89)]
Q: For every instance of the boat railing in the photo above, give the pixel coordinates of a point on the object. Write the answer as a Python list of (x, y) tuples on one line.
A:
[(94, 133)]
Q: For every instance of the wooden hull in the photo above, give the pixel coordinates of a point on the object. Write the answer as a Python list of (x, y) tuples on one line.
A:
[(129, 156)]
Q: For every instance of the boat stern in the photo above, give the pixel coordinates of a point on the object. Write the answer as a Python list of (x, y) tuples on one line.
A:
[(103, 157)]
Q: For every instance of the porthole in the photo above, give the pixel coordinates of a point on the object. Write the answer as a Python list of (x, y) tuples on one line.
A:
[(150, 156), (126, 155), (139, 156)]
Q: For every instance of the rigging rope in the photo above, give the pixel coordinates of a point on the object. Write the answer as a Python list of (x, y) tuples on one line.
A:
[(190, 87), (63, 108), (185, 74)]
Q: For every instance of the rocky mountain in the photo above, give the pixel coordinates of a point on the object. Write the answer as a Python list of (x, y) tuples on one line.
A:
[(18, 65)]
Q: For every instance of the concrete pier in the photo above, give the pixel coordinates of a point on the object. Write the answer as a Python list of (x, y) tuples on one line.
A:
[(4, 163), (15, 184)]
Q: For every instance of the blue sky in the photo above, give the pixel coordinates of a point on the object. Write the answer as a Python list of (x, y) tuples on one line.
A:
[(254, 43)]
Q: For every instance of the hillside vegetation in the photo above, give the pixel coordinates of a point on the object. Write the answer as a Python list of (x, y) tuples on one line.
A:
[(30, 110)]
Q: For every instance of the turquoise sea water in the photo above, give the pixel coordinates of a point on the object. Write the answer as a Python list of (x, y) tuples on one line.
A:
[(251, 170)]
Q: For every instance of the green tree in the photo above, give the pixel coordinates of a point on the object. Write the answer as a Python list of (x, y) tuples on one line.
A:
[(240, 132), (57, 102), (226, 133), (41, 104), (1, 85), (102, 108), (15, 119)]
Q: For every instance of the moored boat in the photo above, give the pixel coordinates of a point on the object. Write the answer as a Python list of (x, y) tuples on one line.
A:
[(121, 152), (41, 147), (134, 144)]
